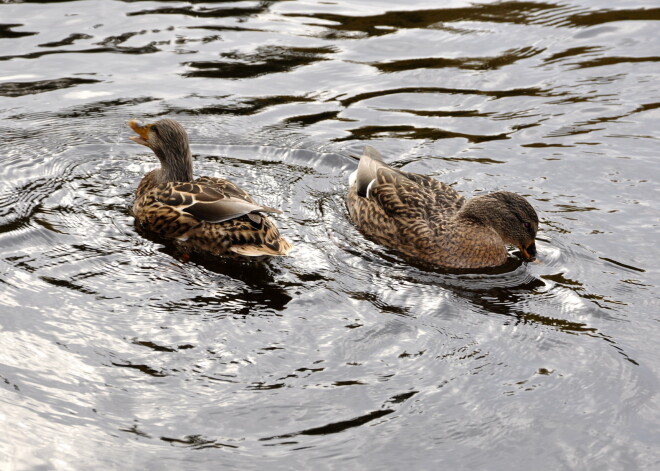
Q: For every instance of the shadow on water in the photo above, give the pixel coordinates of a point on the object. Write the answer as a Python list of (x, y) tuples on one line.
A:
[(531, 302), (518, 13), (247, 106), (266, 60), (16, 89), (468, 63), (528, 293), (259, 290), (206, 12)]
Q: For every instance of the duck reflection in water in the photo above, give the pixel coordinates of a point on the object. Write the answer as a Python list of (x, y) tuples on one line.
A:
[(428, 221)]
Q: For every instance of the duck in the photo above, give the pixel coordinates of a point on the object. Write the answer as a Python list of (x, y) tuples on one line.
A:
[(209, 214), (429, 222)]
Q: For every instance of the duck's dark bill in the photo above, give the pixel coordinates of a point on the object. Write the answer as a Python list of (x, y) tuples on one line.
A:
[(529, 252)]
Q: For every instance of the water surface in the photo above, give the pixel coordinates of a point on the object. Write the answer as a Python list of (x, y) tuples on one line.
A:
[(118, 354)]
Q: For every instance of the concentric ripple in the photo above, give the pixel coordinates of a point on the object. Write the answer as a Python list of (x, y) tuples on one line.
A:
[(119, 352)]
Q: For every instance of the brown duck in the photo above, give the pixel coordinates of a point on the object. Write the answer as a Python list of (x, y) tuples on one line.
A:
[(208, 214), (430, 222)]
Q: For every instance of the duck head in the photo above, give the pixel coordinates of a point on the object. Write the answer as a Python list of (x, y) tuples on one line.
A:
[(511, 215), (169, 141)]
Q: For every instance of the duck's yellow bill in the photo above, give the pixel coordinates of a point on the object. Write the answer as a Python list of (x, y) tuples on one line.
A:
[(142, 131)]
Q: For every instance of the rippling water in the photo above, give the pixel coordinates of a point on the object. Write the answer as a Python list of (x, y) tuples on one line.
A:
[(115, 353)]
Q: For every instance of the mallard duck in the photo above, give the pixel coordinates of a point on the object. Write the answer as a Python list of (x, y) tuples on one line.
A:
[(430, 222), (209, 214)]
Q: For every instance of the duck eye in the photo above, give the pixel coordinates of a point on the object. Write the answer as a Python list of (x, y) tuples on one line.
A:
[(527, 225), (155, 129)]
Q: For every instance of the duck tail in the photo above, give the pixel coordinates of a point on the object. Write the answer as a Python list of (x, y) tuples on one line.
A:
[(283, 247), (365, 175), (372, 153)]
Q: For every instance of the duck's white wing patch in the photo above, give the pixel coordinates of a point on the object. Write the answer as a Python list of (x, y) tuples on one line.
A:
[(371, 184)]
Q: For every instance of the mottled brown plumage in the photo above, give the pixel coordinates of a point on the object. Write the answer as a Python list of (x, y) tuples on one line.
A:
[(428, 221), (208, 214)]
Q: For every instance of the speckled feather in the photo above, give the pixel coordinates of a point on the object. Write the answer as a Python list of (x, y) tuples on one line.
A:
[(208, 214), (422, 218)]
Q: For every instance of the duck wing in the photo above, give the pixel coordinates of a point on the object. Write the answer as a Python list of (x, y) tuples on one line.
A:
[(210, 215), (367, 171), (402, 193), (210, 200)]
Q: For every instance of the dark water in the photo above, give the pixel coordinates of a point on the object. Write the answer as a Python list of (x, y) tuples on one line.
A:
[(117, 355)]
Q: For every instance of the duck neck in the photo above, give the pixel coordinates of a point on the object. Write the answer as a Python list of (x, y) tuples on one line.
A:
[(175, 169), (483, 211)]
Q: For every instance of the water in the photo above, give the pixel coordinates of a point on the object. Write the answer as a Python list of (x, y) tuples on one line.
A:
[(117, 354)]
